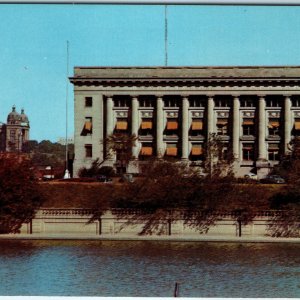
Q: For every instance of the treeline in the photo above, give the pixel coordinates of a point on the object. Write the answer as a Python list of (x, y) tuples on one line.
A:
[(47, 153)]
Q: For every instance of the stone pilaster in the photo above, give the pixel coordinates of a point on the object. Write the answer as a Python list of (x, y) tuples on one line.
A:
[(185, 128), (159, 126), (262, 155), (287, 123), (135, 124), (236, 128), (109, 116), (210, 116)]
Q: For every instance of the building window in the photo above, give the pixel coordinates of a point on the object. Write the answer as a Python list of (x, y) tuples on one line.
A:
[(273, 152), (146, 102), (272, 101), (171, 102), (196, 152), (273, 127), (121, 101), (248, 127), (222, 126), (88, 150), (295, 101), (146, 151), (172, 150), (88, 101), (146, 127), (297, 127), (247, 102), (121, 125), (196, 127), (248, 152), (222, 101), (197, 101), (172, 127)]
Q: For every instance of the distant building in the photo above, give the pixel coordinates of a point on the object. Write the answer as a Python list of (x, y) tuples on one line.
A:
[(15, 132), (173, 110), (62, 141)]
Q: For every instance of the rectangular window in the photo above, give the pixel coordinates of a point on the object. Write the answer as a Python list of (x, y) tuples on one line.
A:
[(222, 103), (146, 102), (197, 102), (88, 101), (122, 125), (171, 102), (296, 101), (121, 102), (274, 127), (273, 102), (273, 152), (247, 102), (146, 127), (248, 152), (248, 127), (146, 150), (197, 152), (88, 125), (222, 126), (171, 150), (88, 150), (297, 125), (172, 127)]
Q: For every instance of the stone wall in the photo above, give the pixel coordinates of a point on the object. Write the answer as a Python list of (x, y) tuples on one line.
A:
[(76, 221)]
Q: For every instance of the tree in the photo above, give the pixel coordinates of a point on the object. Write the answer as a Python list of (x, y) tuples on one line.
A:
[(286, 222), (96, 169), (121, 145), (218, 162), (19, 192)]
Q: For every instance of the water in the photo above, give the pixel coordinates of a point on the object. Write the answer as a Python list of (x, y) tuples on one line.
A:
[(146, 268)]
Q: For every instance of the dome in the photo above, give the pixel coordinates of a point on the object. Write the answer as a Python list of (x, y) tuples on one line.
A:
[(13, 117), (24, 118)]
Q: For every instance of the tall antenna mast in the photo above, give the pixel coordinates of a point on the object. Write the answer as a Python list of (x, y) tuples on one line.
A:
[(166, 36), (67, 173)]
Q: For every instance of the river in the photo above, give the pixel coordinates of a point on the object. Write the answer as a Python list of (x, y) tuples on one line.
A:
[(149, 268)]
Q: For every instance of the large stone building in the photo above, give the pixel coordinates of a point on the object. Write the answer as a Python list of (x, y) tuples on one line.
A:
[(15, 132), (172, 110)]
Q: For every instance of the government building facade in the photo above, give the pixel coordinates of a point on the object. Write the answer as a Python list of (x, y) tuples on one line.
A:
[(255, 111)]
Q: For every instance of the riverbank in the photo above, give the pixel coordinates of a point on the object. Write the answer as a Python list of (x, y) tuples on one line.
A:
[(182, 238)]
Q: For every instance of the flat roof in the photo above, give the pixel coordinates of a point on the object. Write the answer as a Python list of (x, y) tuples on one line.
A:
[(187, 72)]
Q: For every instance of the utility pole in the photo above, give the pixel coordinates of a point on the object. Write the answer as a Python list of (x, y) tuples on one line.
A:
[(67, 173)]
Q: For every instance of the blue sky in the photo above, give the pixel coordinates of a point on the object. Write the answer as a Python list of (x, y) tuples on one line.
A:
[(33, 47)]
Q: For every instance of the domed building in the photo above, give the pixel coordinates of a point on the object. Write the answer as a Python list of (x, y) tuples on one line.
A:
[(15, 132)]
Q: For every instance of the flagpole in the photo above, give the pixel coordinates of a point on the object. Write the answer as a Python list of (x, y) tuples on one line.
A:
[(166, 36), (67, 173)]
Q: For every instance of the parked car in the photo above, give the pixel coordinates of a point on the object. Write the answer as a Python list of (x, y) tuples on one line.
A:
[(272, 179), (250, 176), (103, 178)]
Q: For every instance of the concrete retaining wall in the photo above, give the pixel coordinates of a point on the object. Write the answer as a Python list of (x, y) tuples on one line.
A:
[(76, 221)]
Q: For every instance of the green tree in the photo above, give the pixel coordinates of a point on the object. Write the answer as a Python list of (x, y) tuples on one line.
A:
[(19, 192), (121, 144)]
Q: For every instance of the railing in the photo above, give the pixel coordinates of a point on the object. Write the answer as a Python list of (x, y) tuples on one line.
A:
[(45, 212)]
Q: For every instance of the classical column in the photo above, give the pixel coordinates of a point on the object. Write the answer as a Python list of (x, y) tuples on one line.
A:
[(135, 123), (185, 128), (109, 124), (287, 123), (210, 115), (109, 116), (159, 126), (236, 128), (262, 129)]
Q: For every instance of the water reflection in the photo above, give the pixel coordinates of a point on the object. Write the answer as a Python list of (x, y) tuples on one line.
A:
[(146, 268)]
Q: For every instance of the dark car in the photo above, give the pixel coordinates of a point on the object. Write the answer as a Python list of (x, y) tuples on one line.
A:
[(103, 178), (272, 179)]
